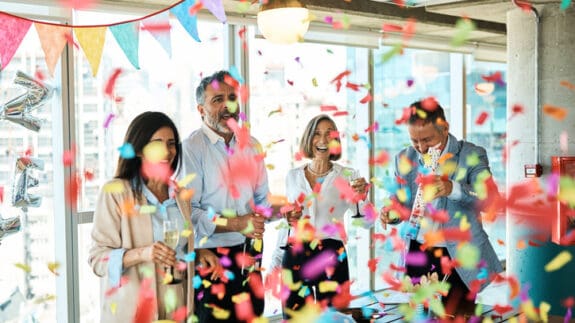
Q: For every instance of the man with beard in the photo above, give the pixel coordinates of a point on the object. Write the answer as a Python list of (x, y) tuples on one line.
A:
[(230, 194)]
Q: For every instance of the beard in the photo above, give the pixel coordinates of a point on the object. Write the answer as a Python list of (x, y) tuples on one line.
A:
[(219, 122)]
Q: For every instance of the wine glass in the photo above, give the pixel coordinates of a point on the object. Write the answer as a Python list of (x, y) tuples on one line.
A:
[(287, 214), (356, 182), (171, 237)]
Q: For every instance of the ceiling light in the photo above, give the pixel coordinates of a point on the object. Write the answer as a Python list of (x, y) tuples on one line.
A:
[(283, 21)]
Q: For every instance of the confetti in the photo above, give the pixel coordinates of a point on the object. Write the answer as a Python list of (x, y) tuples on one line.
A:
[(481, 118), (559, 261), (127, 151), (464, 27), (111, 82), (555, 112)]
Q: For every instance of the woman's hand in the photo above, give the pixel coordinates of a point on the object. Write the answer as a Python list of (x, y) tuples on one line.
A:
[(160, 254), (293, 215), (360, 187), (209, 260)]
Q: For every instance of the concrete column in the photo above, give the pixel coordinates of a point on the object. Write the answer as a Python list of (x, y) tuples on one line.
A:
[(538, 65)]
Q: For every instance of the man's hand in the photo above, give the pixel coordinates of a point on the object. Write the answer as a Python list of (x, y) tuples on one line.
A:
[(209, 260), (443, 186), (257, 224), (386, 218)]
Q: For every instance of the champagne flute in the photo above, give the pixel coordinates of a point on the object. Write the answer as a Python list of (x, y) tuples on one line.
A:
[(355, 182), (171, 237), (287, 214)]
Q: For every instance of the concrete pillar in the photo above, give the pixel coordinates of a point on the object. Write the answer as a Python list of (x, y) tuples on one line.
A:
[(539, 65)]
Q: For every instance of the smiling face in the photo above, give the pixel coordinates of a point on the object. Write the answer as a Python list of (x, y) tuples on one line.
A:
[(162, 147), (426, 134), (215, 111), (321, 139)]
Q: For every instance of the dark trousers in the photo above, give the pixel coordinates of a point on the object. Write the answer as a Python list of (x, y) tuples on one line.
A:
[(294, 260), (456, 301), (208, 298)]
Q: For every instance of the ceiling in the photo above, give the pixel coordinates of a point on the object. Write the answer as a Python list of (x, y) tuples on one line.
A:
[(434, 18)]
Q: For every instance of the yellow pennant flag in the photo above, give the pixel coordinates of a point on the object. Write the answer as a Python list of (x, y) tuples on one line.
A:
[(92, 40), (53, 40)]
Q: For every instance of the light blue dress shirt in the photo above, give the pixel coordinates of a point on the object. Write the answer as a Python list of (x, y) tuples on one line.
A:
[(206, 155), (167, 210)]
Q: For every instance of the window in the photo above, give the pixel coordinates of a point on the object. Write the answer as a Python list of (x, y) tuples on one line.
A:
[(27, 286), (162, 84), (402, 80), (486, 126), (288, 86)]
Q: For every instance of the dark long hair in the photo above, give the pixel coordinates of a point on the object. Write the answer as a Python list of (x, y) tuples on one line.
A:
[(306, 142), (138, 135)]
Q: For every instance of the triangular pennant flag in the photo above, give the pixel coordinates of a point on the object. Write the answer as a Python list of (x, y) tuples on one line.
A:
[(216, 7), (159, 26), (188, 21), (92, 40), (12, 31), (128, 37), (53, 40)]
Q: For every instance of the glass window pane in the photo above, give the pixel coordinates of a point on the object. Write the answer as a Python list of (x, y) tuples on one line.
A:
[(398, 82), (487, 101), (27, 286), (288, 86)]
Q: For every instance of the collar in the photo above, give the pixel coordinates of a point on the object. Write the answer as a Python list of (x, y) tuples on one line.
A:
[(152, 199), (213, 136)]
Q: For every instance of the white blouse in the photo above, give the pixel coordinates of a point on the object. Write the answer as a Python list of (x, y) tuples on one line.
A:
[(324, 209)]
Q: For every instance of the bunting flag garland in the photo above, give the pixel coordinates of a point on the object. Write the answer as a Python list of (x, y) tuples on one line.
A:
[(128, 38), (54, 37), (12, 31)]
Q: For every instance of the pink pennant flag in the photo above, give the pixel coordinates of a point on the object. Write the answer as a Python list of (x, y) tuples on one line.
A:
[(159, 26), (53, 40), (12, 32)]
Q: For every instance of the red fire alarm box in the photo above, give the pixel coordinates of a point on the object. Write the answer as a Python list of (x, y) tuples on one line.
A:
[(563, 222)]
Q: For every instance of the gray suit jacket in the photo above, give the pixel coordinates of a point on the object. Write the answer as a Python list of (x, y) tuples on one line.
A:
[(470, 203)]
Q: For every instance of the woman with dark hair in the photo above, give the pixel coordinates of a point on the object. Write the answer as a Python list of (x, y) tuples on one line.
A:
[(315, 191), (130, 249)]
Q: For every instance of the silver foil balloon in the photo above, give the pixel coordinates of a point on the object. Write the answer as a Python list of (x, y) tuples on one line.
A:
[(9, 226), (23, 180), (18, 109)]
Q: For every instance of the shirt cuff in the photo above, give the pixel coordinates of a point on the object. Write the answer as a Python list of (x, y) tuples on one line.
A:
[(115, 266), (455, 191)]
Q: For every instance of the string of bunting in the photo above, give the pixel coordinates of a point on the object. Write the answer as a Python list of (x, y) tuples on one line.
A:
[(91, 38)]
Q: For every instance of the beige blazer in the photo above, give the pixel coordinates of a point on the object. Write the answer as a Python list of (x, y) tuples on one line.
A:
[(114, 229)]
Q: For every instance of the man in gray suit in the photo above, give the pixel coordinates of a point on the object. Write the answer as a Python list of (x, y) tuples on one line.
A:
[(451, 204)]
